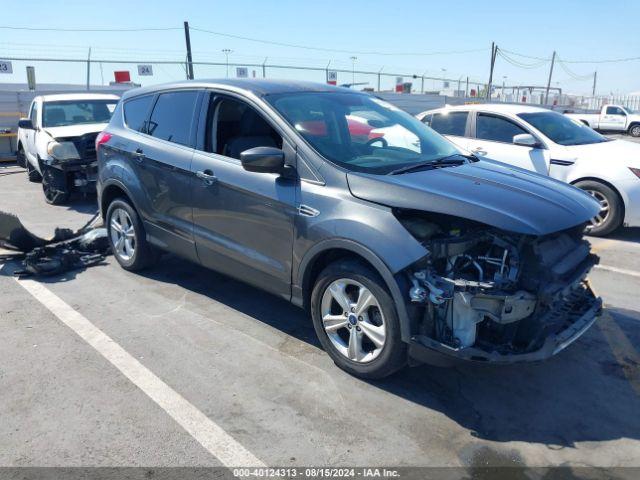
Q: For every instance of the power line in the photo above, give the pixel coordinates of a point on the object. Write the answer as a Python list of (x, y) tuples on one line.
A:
[(41, 29), (320, 49)]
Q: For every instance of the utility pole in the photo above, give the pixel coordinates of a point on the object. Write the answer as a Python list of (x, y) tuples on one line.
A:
[(353, 70), (226, 52), (494, 51), (546, 95), (89, 70), (595, 78), (187, 39), (466, 89), (264, 68)]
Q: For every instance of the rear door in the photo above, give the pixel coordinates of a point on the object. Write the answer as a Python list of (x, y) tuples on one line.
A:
[(452, 125), (243, 221), (493, 139), (614, 118), (160, 157)]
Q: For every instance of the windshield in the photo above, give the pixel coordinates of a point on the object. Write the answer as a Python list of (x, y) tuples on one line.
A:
[(360, 132), (561, 129), (74, 112)]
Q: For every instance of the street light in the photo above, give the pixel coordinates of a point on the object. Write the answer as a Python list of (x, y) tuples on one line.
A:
[(444, 71), (504, 78), (227, 52), (353, 70)]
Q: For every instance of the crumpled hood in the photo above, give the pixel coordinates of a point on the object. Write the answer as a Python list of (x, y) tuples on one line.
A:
[(75, 130), (613, 151), (504, 197)]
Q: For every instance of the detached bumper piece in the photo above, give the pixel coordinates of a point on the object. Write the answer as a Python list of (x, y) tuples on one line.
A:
[(569, 318), (66, 250)]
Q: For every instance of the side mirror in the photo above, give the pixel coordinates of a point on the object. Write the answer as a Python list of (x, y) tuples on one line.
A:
[(26, 124), (263, 160), (526, 140)]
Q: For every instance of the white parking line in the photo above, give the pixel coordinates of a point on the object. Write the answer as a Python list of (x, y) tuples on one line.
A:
[(622, 271), (209, 434)]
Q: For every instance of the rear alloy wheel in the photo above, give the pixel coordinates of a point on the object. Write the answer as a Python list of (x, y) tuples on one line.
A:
[(610, 216), (634, 131), (128, 238), (356, 321)]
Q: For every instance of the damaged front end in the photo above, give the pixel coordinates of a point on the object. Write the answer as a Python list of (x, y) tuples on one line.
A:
[(486, 294)]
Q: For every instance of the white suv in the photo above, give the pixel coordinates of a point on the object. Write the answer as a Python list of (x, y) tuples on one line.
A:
[(56, 143), (550, 144)]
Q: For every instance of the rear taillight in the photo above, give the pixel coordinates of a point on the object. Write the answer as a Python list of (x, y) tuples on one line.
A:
[(636, 171), (103, 137)]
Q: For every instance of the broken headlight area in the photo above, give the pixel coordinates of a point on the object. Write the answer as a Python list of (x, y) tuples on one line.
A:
[(496, 294)]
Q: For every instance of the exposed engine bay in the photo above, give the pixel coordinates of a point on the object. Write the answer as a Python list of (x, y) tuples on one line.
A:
[(497, 293)]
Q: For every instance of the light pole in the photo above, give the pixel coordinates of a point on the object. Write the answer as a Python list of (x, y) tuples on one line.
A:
[(444, 71), (353, 70), (504, 78), (227, 52)]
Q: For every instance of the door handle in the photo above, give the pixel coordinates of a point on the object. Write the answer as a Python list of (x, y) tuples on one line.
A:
[(139, 155), (480, 151), (207, 176)]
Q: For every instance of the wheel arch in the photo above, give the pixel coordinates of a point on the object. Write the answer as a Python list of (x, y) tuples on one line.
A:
[(110, 192), (328, 251), (608, 184)]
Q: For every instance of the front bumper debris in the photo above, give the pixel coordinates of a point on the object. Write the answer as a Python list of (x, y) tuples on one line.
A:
[(580, 311)]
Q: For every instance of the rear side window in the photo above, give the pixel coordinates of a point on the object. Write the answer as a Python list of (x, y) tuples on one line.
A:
[(136, 111), (451, 123), (172, 117), (496, 129)]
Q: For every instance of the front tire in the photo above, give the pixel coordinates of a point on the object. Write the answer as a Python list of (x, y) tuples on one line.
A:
[(127, 237), (634, 130), (32, 174), (52, 194), (356, 320), (21, 159), (611, 212)]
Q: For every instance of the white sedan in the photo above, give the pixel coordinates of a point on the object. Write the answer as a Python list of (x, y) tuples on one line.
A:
[(551, 144)]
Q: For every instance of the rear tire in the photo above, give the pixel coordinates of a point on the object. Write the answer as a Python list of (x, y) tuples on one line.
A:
[(364, 342), (611, 215), (21, 160), (128, 238), (634, 130)]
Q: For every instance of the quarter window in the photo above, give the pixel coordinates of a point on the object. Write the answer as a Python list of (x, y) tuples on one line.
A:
[(136, 111), (450, 123), (172, 117), (496, 129)]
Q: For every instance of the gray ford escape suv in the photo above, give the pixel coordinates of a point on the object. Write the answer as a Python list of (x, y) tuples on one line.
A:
[(400, 245)]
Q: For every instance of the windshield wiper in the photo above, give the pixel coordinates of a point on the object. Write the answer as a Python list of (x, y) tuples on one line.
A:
[(450, 160)]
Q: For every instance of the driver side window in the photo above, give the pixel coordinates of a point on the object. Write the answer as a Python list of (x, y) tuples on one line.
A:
[(233, 127), (614, 111)]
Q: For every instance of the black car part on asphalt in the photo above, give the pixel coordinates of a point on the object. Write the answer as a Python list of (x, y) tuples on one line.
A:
[(66, 250)]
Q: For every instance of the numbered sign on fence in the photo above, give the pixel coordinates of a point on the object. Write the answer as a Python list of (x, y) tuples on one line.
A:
[(145, 70), (5, 66)]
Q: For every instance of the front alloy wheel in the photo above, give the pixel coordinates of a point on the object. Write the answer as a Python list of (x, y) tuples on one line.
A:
[(603, 214), (353, 320)]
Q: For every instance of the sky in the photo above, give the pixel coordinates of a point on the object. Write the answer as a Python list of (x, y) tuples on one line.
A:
[(435, 39)]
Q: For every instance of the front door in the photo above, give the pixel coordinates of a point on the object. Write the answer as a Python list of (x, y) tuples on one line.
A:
[(243, 221), (614, 118), (494, 141)]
